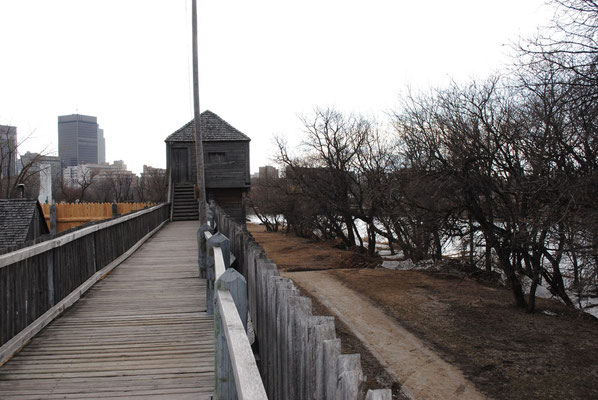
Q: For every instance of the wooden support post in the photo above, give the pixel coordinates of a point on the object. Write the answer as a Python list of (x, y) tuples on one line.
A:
[(202, 249), (233, 282), (321, 329), (53, 220), (281, 285), (50, 264), (350, 378), (236, 284), (217, 240), (301, 313), (332, 349), (211, 216)]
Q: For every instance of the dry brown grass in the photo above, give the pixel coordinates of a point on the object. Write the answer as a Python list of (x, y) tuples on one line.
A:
[(507, 353)]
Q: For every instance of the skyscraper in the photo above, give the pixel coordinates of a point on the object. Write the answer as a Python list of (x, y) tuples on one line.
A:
[(78, 137), (101, 147), (8, 150)]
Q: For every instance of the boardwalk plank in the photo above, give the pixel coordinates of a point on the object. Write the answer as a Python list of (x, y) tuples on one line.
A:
[(140, 332)]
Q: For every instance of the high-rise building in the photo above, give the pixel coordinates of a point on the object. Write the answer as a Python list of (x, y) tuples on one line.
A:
[(35, 160), (268, 172), (78, 137), (101, 147), (8, 150)]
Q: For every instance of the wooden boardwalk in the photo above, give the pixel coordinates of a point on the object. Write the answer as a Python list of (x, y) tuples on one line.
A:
[(140, 332)]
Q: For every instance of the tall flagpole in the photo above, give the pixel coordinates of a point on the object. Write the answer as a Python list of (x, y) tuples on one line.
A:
[(200, 181)]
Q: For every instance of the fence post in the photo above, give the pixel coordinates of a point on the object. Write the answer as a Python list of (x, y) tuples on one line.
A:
[(50, 266), (53, 220), (114, 210), (217, 240), (235, 283), (202, 249), (210, 214), (350, 377)]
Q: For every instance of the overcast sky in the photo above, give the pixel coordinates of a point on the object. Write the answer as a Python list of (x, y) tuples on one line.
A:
[(261, 63)]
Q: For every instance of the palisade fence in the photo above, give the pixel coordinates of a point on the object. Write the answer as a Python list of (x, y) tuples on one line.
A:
[(38, 282), (299, 354)]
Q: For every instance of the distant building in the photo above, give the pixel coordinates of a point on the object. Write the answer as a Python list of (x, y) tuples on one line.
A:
[(80, 140), (152, 171), (101, 147), (8, 150), (48, 169), (268, 172), (37, 160), (79, 173), (226, 157)]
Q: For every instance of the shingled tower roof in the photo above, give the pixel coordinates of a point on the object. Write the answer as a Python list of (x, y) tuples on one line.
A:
[(213, 129), (15, 220)]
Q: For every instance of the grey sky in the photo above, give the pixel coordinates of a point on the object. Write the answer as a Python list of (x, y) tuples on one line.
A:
[(262, 62)]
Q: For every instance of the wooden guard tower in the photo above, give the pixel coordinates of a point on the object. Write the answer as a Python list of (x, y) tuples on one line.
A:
[(226, 157)]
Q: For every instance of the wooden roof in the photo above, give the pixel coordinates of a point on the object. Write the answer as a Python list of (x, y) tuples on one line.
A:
[(213, 129), (15, 220)]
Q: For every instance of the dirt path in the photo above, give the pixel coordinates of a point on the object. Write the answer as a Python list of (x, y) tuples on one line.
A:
[(422, 373)]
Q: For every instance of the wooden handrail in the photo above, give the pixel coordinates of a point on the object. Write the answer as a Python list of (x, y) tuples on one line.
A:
[(37, 249), (248, 381), (219, 266), (43, 279), (227, 294)]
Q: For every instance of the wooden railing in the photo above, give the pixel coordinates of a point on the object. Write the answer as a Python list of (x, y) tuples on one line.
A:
[(236, 372), (37, 283)]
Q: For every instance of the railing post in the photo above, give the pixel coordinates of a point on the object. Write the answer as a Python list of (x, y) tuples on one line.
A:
[(202, 249), (217, 240), (211, 217), (50, 274), (224, 382), (53, 220)]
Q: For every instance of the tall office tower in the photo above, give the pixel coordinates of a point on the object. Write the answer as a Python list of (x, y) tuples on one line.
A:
[(77, 139), (8, 150), (101, 147)]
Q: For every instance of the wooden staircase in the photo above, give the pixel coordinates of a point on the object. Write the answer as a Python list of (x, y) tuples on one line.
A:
[(185, 206)]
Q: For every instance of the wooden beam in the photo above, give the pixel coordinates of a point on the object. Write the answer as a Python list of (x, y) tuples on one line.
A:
[(247, 377)]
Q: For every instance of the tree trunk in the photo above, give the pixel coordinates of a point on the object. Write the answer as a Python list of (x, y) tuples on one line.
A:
[(371, 240), (488, 254), (531, 301), (505, 262), (471, 243)]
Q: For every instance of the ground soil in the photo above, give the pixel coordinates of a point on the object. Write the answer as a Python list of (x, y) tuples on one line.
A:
[(505, 352)]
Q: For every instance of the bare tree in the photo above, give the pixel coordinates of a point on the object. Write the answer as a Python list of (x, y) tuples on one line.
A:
[(79, 187), (152, 185), (10, 177), (325, 170), (120, 184)]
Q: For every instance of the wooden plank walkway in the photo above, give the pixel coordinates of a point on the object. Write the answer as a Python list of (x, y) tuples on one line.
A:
[(140, 332)]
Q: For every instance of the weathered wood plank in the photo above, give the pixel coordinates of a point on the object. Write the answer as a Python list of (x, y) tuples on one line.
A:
[(141, 332)]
